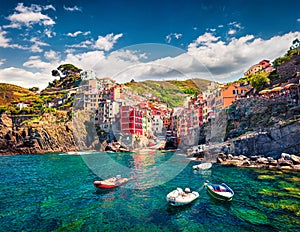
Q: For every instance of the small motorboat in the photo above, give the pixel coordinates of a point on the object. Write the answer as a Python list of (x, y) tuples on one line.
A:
[(111, 182), (219, 191), (179, 197), (202, 166)]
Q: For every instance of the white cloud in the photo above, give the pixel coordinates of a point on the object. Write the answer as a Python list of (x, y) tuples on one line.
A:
[(231, 32), (23, 78), (235, 24), (74, 8), (2, 61), (173, 35), (76, 33), (298, 20), (204, 40), (36, 63), (29, 15), (168, 38), (49, 7), (36, 47), (220, 26), (4, 42), (52, 55), (208, 57), (83, 44), (85, 60), (227, 60), (49, 33), (106, 43)]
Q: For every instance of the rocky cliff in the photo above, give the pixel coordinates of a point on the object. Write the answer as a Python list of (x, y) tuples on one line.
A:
[(258, 126), (46, 133)]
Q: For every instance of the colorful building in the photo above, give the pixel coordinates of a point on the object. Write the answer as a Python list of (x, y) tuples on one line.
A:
[(131, 120), (262, 66), (233, 92)]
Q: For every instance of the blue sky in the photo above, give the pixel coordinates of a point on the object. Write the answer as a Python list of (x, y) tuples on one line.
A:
[(168, 39)]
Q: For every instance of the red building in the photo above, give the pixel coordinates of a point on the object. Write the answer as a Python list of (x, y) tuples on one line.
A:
[(131, 120)]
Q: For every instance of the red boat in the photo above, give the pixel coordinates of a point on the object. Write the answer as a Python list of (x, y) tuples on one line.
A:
[(110, 183)]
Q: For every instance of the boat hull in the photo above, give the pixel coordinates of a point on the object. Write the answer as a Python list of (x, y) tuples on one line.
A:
[(110, 183), (202, 166), (178, 198), (225, 195)]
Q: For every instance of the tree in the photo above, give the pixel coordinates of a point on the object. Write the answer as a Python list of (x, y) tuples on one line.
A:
[(65, 70), (296, 44), (34, 89), (259, 80)]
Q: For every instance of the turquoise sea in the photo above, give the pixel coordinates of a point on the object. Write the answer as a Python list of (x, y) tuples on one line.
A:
[(55, 192)]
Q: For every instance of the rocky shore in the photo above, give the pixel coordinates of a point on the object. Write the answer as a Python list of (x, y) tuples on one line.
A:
[(284, 162)]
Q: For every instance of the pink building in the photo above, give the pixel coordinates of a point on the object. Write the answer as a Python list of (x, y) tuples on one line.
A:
[(131, 120)]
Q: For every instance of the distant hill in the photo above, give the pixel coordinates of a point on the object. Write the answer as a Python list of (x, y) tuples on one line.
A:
[(10, 93), (170, 92)]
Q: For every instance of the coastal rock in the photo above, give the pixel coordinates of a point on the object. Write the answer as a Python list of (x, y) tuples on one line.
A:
[(229, 156), (283, 162), (5, 120), (295, 159), (262, 160), (272, 161), (297, 167), (285, 156), (223, 156), (219, 160), (271, 143), (47, 135), (233, 162), (242, 157)]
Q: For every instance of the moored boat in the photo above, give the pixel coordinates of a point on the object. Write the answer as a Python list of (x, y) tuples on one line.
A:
[(219, 191), (111, 182), (179, 197), (202, 166)]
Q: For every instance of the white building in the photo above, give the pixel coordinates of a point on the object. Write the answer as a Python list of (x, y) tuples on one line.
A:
[(106, 114), (157, 124), (88, 75)]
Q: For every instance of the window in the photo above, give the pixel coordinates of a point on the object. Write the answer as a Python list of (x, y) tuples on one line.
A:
[(235, 91)]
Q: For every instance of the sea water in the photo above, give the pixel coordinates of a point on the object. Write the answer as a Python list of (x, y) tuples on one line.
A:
[(55, 192)]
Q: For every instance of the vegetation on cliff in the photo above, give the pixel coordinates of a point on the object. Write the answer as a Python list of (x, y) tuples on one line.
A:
[(294, 49), (11, 93)]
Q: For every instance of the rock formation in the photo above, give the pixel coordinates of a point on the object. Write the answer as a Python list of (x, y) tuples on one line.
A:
[(48, 133)]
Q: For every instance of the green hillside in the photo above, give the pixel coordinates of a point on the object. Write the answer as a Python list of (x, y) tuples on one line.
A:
[(10, 93), (170, 92)]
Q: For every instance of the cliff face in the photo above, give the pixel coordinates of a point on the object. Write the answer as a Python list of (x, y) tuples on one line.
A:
[(270, 143), (259, 126), (49, 133)]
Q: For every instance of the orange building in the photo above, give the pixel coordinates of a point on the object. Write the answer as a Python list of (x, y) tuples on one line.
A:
[(232, 92)]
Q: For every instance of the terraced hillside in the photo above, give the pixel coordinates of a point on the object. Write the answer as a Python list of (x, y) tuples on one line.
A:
[(9, 93), (171, 92)]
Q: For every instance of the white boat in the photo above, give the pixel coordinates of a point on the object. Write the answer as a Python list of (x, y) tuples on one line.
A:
[(202, 166), (179, 197)]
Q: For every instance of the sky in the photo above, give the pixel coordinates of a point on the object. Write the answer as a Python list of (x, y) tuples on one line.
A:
[(136, 39)]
